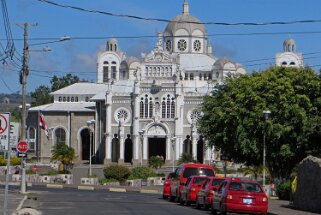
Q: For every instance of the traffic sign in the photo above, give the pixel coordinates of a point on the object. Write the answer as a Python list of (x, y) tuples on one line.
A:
[(22, 147), (4, 131)]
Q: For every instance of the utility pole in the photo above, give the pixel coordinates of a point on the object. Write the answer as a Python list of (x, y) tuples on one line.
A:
[(23, 81)]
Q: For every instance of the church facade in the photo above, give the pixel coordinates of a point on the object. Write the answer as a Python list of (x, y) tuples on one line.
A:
[(139, 108)]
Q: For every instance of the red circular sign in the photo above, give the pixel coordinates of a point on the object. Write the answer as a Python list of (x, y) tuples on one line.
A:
[(3, 124), (22, 147)]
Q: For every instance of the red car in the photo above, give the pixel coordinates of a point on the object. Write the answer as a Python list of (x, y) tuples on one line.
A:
[(167, 185), (183, 172), (204, 196), (239, 196), (191, 188)]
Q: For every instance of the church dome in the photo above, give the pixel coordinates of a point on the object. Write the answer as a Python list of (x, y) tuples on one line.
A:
[(112, 45), (184, 21), (289, 45)]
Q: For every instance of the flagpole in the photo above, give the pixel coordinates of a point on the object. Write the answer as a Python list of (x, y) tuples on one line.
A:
[(38, 134)]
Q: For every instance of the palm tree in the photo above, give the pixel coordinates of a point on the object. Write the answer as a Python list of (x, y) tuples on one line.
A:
[(64, 154)]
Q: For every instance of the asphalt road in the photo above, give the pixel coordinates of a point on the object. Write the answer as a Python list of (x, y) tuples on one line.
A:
[(69, 201)]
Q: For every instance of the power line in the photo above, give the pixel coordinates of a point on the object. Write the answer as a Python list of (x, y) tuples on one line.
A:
[(191, 22)]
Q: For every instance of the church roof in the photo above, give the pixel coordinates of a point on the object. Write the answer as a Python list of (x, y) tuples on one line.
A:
[(65, 107), (185, 21), (196, 62), (81, 89), (125, 87)]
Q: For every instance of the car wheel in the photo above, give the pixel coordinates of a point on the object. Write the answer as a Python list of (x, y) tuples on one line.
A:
[(197, 205), (181, 202), (213, 211), (221, 211)]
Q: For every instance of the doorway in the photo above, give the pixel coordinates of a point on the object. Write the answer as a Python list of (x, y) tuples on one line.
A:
[(157, 146), (85, 144)]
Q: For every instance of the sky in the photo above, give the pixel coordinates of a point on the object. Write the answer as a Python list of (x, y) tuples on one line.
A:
[(89, 32)]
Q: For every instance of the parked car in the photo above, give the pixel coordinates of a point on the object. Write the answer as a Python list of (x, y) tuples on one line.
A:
[(205, 194), (167, 185), (239, 196), (183, 172), (191, 188)]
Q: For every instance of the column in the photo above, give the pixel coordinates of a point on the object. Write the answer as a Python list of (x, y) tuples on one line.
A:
[(108, 133), (194, 146), (121, 143), (168, 148), (145, 153)]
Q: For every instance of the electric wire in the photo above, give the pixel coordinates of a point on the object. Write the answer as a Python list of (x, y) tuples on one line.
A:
[(191, 22)]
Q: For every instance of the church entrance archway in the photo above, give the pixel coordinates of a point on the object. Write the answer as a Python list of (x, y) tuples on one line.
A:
[(200, 151), (128, 150), (85, 144), (157, 147)]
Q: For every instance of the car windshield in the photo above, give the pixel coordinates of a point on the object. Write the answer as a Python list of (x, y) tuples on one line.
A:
[(217, 182), (199, 180), (245, 186), (197, 171)]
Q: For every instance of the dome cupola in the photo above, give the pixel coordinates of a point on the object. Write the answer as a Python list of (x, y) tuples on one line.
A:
[(112, 45), (289, 45)]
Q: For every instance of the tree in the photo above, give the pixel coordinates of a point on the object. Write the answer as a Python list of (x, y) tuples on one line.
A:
[(58, 83), (41, 96), (233, 119), (64, 154)]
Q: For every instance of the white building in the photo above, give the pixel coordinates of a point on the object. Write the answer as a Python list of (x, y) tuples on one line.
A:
[(142, 107), (289, 57)]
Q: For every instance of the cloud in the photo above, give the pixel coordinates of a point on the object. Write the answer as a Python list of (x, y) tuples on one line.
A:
[(142, 46), (223, 51)]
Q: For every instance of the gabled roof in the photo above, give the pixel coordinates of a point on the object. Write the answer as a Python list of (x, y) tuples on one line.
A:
[(65, 107), (84, 88)]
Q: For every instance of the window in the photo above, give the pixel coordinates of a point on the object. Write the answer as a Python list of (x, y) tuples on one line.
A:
[(60, 99), (32, 133), (68, 99), (146, 106), (60, 136), (292, 63), (168, 106), (191, 76), (76, 99), (105, 74), (64, 99), (197, 45), (197, 171), (113, 70), (182, 45), (284, 63), (72, 99), (87, 99), (169, 45)]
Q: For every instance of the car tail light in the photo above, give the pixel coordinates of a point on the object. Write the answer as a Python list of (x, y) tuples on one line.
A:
[(264, 199), (212, 192), (193, 189), (229, 197), (166, 182)]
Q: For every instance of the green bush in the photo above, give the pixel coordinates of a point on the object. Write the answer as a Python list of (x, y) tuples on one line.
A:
[(30, 172), (117, 172), (106, 180), (141, 173), (284, 190), (156, 162), (51, 172), (14, 161)]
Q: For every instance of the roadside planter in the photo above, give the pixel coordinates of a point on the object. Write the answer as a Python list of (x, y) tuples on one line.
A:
[(155, 181), (89, 181)]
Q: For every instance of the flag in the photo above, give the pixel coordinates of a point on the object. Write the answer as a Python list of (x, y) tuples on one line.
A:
[(43, 125)]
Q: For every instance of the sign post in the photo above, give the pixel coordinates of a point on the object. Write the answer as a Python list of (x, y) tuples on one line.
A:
[(4, 146)]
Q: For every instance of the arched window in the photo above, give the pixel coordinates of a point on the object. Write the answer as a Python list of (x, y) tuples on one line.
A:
[(72, 99), (60, 136), (87, 99), (76, 99), (284, 63), (146, 106), (168, 106), (191, 76), (64, 99), (59, 99), (68, 99), (113, 70), (106, 72), (201, 76), (209, 76), (115, 47)]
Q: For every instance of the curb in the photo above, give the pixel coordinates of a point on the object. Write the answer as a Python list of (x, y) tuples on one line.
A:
[(120, 190), (85, 188), (59, 186), (149, 191)]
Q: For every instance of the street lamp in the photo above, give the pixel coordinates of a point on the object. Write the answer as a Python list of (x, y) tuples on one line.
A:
[(90, 125), (24, 113), (173, 148), (266, 115), (141, 133)]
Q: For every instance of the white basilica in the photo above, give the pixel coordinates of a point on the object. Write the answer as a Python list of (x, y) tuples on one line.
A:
[(141, 107)]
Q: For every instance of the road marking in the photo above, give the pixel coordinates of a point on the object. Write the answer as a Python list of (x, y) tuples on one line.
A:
[(148, 191), (21, 203), (85, 188), (120, 190), (55, 186)]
